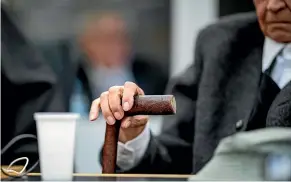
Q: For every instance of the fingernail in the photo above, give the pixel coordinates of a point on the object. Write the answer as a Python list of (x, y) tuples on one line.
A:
[(91, 117), (126, 106), (117, 115), (110, 120)]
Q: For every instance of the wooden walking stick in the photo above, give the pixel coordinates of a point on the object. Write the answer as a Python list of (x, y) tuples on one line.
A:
[(143, 105)]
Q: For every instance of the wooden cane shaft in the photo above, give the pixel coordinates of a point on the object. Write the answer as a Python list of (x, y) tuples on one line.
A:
[(143, 105), (110, 148)]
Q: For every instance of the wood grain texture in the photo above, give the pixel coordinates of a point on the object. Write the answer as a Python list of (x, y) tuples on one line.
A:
[(153, 105), (143, 105)]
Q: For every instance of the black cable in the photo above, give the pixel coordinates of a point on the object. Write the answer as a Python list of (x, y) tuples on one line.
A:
[(10, 143)]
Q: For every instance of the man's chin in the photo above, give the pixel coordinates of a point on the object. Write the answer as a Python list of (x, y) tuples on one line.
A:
[(280, 36)]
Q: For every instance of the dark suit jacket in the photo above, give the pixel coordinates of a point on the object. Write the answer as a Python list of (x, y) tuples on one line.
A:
[(28, 86), (214, 97)]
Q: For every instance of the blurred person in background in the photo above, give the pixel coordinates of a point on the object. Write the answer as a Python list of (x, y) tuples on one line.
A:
[(28, 85), (240, 81), (109, 59)]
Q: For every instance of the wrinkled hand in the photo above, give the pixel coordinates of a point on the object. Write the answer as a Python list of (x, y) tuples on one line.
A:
[(113, 103)]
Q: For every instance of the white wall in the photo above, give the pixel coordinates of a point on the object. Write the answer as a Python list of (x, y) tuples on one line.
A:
[(188, 17)]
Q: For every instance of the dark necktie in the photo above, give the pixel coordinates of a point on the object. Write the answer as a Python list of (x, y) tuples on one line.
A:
[(268, 90)]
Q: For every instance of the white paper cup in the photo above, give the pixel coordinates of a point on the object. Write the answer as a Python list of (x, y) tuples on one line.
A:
[(56, 144)]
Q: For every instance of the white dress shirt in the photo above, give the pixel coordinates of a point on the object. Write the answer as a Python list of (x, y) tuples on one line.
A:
[(130, 153), (281, 72)]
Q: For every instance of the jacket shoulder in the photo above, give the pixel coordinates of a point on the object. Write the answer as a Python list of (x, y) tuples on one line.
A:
[(230, 33), (232, 23), (231, 26)]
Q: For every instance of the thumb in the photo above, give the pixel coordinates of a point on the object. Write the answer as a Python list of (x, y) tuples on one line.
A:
[(133, 122)]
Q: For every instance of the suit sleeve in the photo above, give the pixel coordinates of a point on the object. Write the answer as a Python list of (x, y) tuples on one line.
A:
[(171, 151)]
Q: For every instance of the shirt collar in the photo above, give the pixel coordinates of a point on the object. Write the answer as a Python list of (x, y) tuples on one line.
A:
[(287, 52), (271, 49)]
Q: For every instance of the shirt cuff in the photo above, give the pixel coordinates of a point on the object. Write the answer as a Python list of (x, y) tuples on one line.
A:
[(130, 153)]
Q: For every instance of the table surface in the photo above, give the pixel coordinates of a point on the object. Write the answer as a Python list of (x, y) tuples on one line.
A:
[(114, 177)]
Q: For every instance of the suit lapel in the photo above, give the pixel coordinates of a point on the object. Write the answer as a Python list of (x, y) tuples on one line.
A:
[(248, 78), (249, 84)]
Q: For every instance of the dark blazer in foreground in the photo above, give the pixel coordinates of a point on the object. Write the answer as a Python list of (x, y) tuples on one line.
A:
[(214, 96)]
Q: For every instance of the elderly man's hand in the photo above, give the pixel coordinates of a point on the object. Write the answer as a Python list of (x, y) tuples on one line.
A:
[(113, 103)]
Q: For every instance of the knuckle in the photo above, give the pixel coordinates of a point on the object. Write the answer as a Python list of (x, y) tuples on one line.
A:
[(95, 101), (128, 83), (103, 94), (113, 89), (114, 104)]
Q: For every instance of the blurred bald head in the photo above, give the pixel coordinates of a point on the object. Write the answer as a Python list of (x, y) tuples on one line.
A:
[(105, 39)]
